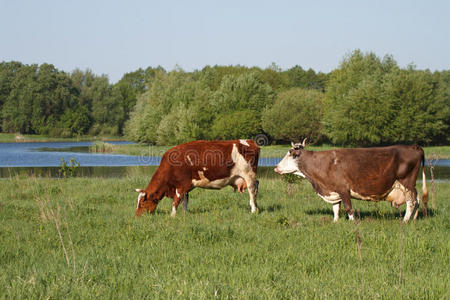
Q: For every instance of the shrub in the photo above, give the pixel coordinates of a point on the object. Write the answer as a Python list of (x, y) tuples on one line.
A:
[(296, 113), (236, 125)]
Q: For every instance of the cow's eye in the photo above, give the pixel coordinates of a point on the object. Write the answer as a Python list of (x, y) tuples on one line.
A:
[(295, 156)]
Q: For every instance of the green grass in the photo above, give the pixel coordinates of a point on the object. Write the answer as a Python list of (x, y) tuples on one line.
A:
[(16, 137), (290, 250)]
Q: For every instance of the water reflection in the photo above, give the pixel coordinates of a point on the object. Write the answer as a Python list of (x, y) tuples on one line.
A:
[(43, 159)]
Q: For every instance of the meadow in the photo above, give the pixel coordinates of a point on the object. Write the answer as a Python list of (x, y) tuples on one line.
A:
[(29, 138), (79, 238)]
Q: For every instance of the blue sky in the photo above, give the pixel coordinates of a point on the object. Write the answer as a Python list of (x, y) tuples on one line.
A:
[(115, 37)]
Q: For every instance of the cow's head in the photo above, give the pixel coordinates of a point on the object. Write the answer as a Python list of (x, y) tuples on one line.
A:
[(289, 163), (145, 202)]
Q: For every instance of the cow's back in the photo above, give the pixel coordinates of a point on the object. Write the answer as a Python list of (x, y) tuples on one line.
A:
[(369, 170), (213, 158)]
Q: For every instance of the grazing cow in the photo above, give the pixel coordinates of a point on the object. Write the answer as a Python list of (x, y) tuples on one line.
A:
[(204, 164), (373, 174)]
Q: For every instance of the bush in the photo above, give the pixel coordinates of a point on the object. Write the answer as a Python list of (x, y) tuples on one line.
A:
[(236, 125), (244, 92), (296, 113)]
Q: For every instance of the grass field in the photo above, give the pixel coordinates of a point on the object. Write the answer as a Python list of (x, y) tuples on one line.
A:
[(443, 152), (79, 238), (15, 137)]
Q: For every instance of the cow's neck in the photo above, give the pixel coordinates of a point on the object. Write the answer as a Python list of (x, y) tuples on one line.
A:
[(308, 164), (158, 185)]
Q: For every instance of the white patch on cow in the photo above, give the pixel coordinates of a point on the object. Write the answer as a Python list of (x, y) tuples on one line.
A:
[(189, 159), (202, 181), (176, 192), (332, 198), (205, 168), (140, 197), (335, 160), (240, 169), (411, 206), (336, 208), (288, 165), (174, 211), (298, 173), (361, 197), (244, 142)]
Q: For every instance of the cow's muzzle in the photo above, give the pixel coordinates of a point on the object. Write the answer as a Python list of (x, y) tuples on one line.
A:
[(277, 170)]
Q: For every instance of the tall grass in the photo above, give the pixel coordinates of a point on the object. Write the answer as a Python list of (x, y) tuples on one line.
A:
[(79, 238)]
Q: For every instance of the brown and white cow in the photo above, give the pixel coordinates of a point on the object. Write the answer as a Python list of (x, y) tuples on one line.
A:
[(373, 174), (204, 164)]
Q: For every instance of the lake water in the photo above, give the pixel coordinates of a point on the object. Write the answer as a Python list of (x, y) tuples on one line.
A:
[(44, 159)]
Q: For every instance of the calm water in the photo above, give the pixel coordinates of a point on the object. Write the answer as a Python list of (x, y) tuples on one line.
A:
[(44, 159)]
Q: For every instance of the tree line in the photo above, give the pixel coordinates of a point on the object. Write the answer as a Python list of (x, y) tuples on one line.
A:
[(366, 101)]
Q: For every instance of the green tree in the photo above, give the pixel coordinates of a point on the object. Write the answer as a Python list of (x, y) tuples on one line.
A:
[(54, 94), (8, 71), (179, 126), (165, 94), (372, 101), (241, 124), (213, 76), (76, 121), (244, 92), (18, 107), (274, 77), (420, 105), (298, 77), (296, 113), (132, 85), (356, 111)]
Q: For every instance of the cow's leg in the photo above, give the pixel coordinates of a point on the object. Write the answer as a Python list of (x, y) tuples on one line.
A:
[(336, 208), (252, 185), (411, 205), (257, 186), (345, 196), (185, 202), (181, 193), (175, 203), (417, 205), (252, 190)]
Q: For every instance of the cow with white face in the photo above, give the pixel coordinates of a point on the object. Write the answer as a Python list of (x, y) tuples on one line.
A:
[(373, 174)]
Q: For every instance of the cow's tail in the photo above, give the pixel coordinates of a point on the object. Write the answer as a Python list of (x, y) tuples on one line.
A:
[(424, 188)]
